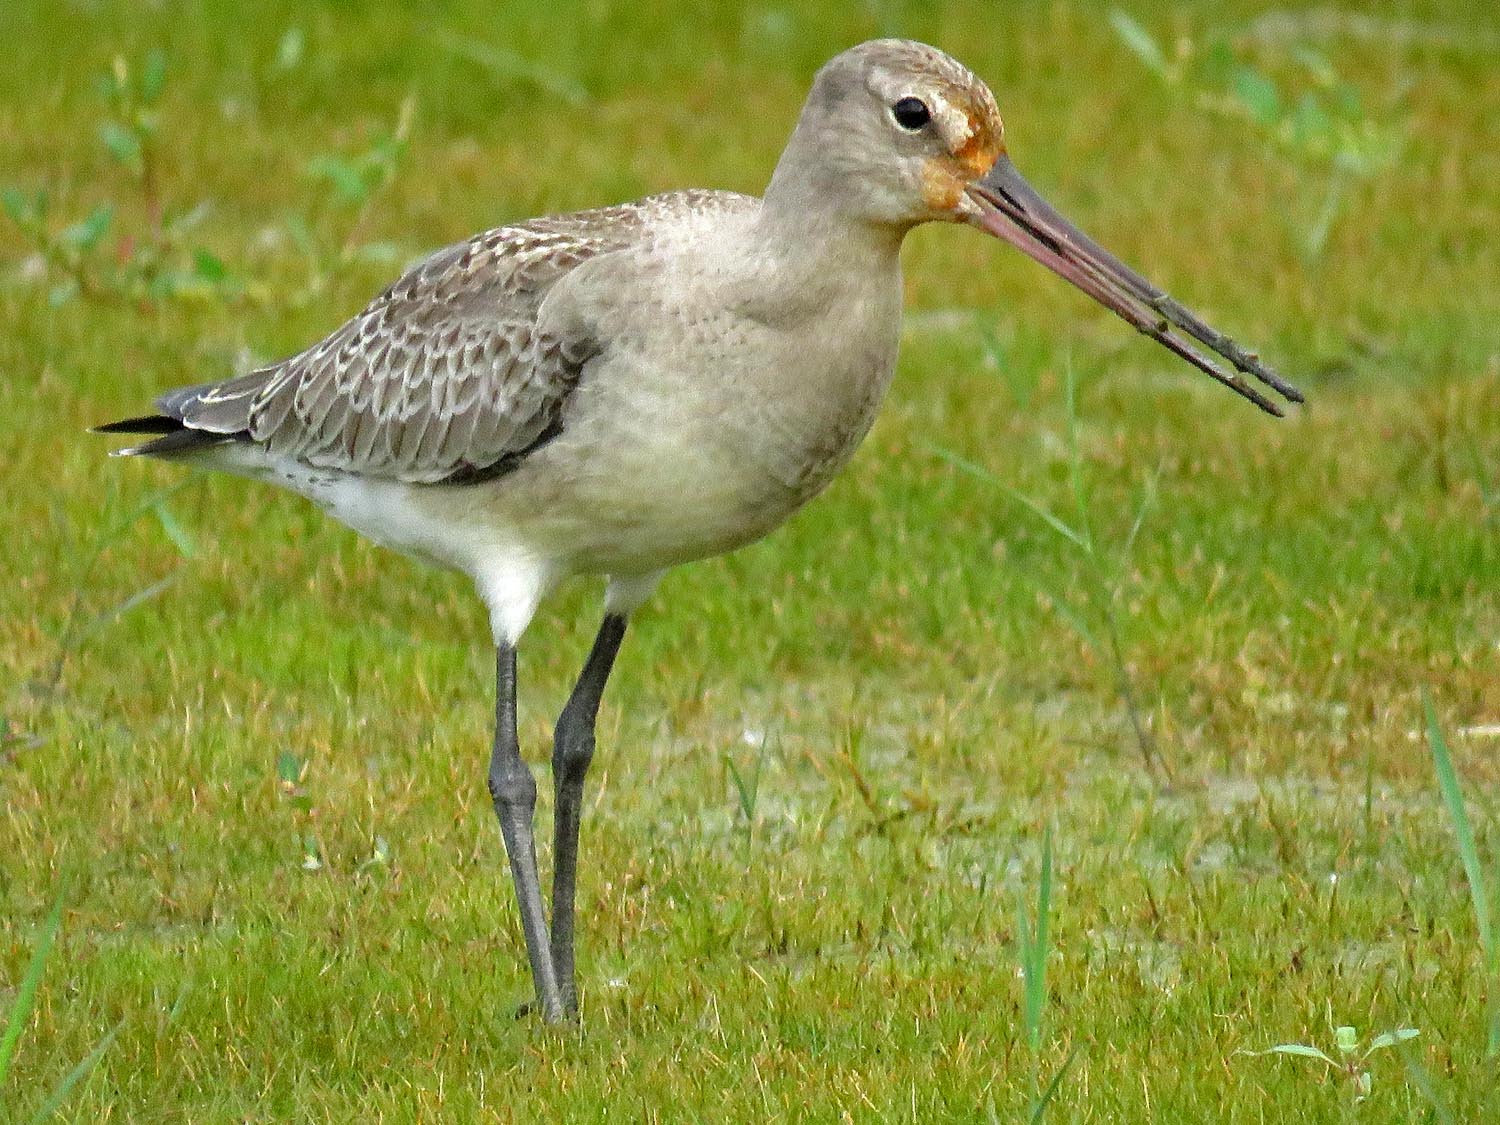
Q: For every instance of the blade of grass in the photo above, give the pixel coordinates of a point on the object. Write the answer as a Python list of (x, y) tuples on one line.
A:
[(140, 597), (20, 1011), (1061, 607), (1076, 480), (1032, 940), (1424, 1084), (748, 789), (1453, 797), (1040, 511), (1463, 831), (75, 1076), (1040, 1109), (507, 65), (1034, 950), (186, 547), (1148, 500), (1140, 43), (1079, 539)]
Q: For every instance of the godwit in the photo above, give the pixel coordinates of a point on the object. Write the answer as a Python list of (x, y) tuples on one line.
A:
[(620, 390)]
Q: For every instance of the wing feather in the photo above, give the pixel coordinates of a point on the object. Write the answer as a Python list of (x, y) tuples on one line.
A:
[(443, 374)]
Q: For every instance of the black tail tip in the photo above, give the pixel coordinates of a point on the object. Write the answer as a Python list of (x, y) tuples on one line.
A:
[(148, 424)]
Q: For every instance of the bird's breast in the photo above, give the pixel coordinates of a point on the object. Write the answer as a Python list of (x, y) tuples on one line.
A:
[(708, 419), (815, 407)]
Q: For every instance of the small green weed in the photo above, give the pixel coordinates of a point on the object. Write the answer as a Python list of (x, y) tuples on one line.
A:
[(105, 256), (1302, 106), (137, 248), (81, 624), (291, 778), (330, 236), (1352, 1063)]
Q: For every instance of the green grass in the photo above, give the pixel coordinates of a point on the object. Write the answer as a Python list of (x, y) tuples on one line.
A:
[(827, 763)]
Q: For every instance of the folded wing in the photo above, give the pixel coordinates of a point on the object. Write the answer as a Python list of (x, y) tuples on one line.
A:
[(444, 377)]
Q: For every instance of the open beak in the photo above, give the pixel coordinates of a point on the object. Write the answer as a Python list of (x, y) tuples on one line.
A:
[(1010, 208)]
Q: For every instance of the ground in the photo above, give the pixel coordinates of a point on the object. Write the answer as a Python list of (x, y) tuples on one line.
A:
[(247, 749)]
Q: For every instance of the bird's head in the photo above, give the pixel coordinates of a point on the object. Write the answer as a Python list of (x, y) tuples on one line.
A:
[(897, 133)]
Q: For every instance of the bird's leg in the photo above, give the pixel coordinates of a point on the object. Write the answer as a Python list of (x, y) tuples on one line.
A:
[(513, 790), (572, 749)]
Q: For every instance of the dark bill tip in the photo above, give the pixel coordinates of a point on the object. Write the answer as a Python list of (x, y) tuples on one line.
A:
[(1011, 209)]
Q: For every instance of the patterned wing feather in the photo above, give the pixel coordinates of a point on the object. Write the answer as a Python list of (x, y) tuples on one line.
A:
[(444, 376)]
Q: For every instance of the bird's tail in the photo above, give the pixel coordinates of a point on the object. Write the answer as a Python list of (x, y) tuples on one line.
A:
[(174, 438), (192, 419)]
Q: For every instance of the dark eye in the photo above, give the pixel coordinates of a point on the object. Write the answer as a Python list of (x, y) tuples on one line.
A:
[(911, 113)]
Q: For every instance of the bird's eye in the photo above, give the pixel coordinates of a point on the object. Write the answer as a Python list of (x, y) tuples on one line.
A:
[(911, 113)]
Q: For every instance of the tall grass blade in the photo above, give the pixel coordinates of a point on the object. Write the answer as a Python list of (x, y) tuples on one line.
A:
[(747, 789), (1033, 940), (1079, 539), (1034, 943), (1040, 1108), (181, 539), (20, 1011), (140, 597), (75, 1076), (1076, 481), (1148, 500), (1424, 1084), (1479, 893), (1453, 797), (1070, 615), (509, 66), (973, 468), (1140, 42)]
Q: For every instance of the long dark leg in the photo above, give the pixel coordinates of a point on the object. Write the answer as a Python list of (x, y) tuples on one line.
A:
[(572, 750), (514, 792)]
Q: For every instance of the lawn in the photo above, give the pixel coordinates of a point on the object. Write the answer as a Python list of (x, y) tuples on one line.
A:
[(1072, 608)]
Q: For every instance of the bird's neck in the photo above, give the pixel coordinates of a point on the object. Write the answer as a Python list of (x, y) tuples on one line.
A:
[(810, 203), (816, 243), (823, 232), (800, 267)]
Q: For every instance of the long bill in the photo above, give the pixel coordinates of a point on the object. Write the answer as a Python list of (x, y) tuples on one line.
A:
[(1010, 209)]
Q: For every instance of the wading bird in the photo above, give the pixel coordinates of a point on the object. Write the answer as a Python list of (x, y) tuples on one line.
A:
[(617, 391)]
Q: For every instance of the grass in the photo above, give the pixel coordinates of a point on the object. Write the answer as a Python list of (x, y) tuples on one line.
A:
[(828, 763), (1484, 904), (20, 1013)]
